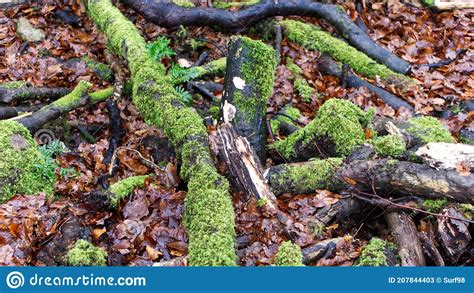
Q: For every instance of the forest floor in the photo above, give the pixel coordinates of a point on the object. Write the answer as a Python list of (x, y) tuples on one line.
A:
[(147, 227)]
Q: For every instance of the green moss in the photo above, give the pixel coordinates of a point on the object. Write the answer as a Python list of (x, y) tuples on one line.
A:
[(74, 96), (258, 71), (11, 85), (209, 219), (209, 216), (85, 254), (18, 159), (261, 202), (309, 177), (227, 5), (303, 89), (214, 111), (428, 3), (389, 146), (428, 129), (467, 209), (373, 254), (339, 120), (293, 67), (275, 122), (184, 3), (434, 205), (101, 69), (312, 37), (289, 255), (121, 189), (101, 95), (212, 68)]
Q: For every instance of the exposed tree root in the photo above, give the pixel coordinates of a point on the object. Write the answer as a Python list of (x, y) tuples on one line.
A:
[(167, 14)]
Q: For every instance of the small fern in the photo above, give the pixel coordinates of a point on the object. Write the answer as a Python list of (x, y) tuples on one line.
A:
[(160, 49), (181, 73), (48, 165), (186, 97)]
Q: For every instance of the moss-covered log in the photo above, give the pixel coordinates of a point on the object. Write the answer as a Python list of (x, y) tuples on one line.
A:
[(386, 175), (303, 177), (121, 189), (377, 253), (165, 13), (405, 235), (248, 86), (313, 38), (283, 121), (337, 129), (18, 91), (209, 216)]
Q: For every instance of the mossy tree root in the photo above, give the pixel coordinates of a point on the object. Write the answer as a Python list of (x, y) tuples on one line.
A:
[(248, 86), (19, 91), (165, 13), (386, 175), (209, 215), (75, 99), (313, 38)]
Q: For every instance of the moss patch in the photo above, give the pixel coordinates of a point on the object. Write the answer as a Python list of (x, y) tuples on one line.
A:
[(227, 5), (101, 69), (428, 129), (339, 120), (303, 89), (19, 156), (278, 119), (434, 205), (184, 3), (289, 255), (373, 254), (389, 146), (74, 96), (85, 254), (121, 189), (309, 177), (312, 37), (11, 85), (101, 95)]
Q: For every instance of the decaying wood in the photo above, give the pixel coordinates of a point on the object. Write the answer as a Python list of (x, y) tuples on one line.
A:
[(447, 156), (167, 14), (429, 247), (31, 93), (9, 112), (405, 234), (450, 5), (243, 164), (321, 249), (455, 236)]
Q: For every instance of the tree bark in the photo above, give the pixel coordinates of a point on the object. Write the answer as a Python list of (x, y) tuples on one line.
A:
[(405, 234)]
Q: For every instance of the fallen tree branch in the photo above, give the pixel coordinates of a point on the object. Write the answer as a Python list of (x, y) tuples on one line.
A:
[(10, 112), (328, 66), (167, 14), (19, 91)]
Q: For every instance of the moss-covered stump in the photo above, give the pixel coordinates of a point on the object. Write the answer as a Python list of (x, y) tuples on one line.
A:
[(248, 86), (209, 216), (19, 156), (304, 177), (289, 255), (85, 253), (337, 129), (313, 38), (377, 253)]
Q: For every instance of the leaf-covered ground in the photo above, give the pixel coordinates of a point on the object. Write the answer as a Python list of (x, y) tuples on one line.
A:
[(147, 227)]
